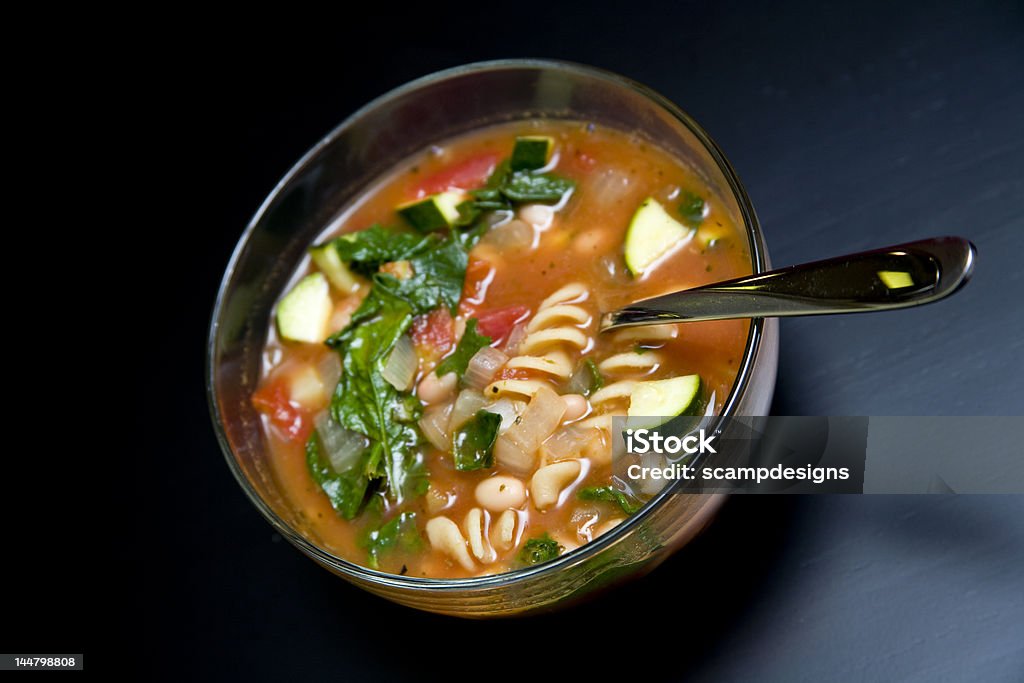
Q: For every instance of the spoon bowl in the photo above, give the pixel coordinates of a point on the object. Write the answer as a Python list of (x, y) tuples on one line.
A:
[(900, 276)]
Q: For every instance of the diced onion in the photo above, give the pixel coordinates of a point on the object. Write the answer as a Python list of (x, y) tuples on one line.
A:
[(434, 425), (579, 382), (517, 335), (512, 457), (307, 388), (330, 370), (516, 448), (609, 187), (565, 443), (483, 366), (341, 446), (513, 234), (402, 363), (509, 411), (467, 404)]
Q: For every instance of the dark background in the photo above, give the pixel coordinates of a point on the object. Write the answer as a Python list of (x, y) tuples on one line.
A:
[(853, 126)]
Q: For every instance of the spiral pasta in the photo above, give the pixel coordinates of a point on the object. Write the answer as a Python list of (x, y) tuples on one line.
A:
[(626, 369), (551, 336)]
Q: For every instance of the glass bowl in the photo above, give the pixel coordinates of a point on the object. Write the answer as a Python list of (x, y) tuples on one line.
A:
[(342, 166)]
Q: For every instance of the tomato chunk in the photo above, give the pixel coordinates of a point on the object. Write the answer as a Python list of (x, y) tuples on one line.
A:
[(435, 330), (272, 400), (497, 323), (467, 174)]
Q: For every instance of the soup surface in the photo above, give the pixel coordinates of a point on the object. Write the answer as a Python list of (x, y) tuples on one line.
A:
[(436, 396)]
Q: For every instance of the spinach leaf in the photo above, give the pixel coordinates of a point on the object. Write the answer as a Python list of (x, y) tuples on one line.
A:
[(506, 187), (524, 186), (365, 402), (439, 269), (474, 441), (400, 531), (610, 494), (366, 250), (499, 176), (691, 208), (345, 490), (470, 343), (537, 550)]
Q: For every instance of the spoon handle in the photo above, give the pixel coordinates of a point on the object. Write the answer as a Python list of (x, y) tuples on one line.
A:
[(904, 275)]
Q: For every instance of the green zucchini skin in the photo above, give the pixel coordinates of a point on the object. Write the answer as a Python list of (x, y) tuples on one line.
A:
[(531, 152)]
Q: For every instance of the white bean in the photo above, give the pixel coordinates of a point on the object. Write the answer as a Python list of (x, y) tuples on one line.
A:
[(434, 389), (500, 493), (575, 407), (548, 482), (444, 535)]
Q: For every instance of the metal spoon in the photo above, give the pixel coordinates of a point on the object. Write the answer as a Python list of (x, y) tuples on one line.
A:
[(900, 276)]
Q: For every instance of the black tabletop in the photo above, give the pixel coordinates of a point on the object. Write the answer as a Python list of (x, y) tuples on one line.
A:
[(852, 126)]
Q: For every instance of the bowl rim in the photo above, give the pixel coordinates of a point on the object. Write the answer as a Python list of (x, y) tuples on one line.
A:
[(758, 257)]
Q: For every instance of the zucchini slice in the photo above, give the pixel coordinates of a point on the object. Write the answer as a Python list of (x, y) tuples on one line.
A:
[(302, 313), (432, 213), (652, 233), (665, 399), (531, 152), (326, 258)]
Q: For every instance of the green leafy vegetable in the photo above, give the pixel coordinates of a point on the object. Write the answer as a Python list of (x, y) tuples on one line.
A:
[(470, 343), (438, 264), (525, 186), (610, 494), (439, 269), (366, 250), (596, 381), (506, 187), (345, 490), (400, 531), (537, 550), (364, 401), (691, 208), (367, 403), (474, 441)]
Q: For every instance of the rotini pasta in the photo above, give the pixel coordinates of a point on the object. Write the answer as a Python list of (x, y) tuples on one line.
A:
[(626, 369), (551, 335)]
